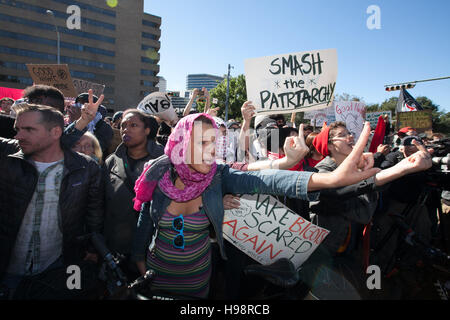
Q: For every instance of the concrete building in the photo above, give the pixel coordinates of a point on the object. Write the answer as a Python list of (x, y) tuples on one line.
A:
[(202, 80), (115, 46), (162, 84)]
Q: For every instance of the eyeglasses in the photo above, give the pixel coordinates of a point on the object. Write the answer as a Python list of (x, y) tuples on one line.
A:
[(178, 225), (343, 137)]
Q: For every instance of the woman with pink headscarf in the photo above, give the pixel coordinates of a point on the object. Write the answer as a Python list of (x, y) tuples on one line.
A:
[(179, 196)]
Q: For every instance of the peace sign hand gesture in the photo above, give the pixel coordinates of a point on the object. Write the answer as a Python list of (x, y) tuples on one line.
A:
[(88, 111)]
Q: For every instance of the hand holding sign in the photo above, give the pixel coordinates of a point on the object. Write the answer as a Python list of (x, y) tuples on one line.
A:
[(159, 104), (247, 111)]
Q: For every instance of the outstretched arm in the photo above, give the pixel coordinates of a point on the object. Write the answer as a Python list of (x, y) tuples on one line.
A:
[(188, 107), (350, 171)]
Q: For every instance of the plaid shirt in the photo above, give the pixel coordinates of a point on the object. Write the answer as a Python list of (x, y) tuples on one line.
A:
[(39, 241)]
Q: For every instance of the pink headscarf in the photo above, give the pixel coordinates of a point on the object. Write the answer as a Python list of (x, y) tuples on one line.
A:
[(176, 149)]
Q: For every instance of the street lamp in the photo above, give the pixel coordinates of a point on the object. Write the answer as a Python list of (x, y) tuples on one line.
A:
[(50, 13), (228, 93)]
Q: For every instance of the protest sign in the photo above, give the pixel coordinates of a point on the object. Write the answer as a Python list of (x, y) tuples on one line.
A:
[(318, 117), (56, 75), (419, 120), (353, 113), (82, 86), (372, 117), (291, 82), (160, 105), (266, 230)]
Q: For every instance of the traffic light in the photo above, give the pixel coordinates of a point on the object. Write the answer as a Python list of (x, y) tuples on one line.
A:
[(398, 87)]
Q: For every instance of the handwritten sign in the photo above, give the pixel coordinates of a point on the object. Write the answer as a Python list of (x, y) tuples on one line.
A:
[(372, 117), (56, 75), (82, 86), (291, 82), (353, 113), (266, 230), (318, 117), (419, 120), (158, 104)]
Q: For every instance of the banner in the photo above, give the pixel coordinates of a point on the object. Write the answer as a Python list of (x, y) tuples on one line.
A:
[(11, 93), (419, 120), (56, 75), (291, 82), (82, 86), (266, 230), (372, 117), (353, 113)]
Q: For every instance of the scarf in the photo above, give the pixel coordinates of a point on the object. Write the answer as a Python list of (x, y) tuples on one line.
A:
[(159, 173)]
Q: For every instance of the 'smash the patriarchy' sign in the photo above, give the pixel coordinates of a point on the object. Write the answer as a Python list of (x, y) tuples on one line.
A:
[(266, 230), (291, 82), (353, 113), (55, 75)]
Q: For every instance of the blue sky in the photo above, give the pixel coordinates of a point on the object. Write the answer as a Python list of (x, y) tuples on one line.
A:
[(201, 36)]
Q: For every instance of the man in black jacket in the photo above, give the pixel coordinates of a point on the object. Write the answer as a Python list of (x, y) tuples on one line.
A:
[(49, 197)]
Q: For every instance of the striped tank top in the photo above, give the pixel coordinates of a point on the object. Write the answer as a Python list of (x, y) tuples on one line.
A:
[(182, 271)]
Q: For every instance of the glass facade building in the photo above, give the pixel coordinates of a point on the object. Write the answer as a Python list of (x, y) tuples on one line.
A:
[(100, 51), (202, 80)]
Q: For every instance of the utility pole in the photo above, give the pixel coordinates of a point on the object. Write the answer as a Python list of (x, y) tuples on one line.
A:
[(228, 93)]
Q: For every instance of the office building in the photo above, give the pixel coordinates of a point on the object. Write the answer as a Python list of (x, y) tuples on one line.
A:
[(162, 84), (202, 80), (115, 46)]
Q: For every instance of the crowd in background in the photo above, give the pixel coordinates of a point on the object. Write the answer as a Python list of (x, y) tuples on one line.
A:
[(70, 169)]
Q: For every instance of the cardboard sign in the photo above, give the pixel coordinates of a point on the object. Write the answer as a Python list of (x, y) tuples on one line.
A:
[(419, 120), (291, 82), (158, 104), (56, 75), (266, 230), (372, 117), (82, 86), (353, 113), (318, 117)]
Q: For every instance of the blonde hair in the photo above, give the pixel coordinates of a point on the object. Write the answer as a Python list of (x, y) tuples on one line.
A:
[(97, 149)]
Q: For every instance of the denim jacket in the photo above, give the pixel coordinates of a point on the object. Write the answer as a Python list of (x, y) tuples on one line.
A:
[(226, 180)]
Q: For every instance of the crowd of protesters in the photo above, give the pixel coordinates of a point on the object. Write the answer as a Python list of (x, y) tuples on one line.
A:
[(156, 189)]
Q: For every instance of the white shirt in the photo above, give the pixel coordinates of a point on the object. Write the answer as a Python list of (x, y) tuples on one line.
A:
[(39, 241)]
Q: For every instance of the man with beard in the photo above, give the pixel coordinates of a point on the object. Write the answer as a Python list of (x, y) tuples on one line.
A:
[(49, 196)]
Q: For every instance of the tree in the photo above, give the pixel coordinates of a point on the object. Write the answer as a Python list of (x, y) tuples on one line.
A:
[(238, 95)]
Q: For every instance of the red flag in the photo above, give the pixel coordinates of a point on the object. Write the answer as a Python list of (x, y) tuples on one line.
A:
[(378, 136)]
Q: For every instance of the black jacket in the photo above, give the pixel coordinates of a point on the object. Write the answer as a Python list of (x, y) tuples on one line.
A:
[(121, 218), (80, 200)]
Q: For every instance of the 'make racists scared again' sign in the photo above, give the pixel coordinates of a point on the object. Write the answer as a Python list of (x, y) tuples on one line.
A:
[(266, 230), (291, 82)]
